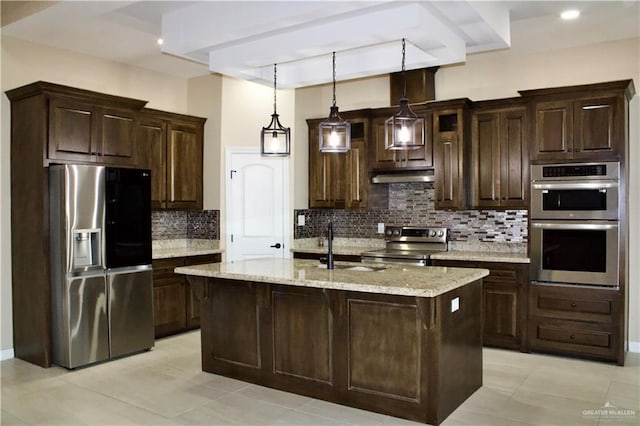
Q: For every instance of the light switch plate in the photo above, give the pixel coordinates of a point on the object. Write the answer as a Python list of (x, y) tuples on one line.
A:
[(380, 228), (455, 304), (301, 221)]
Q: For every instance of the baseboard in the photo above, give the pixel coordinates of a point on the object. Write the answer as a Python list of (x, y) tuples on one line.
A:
[(6, 354), (634, 346)]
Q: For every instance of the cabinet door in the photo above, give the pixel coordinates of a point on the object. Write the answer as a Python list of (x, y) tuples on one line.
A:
[(356, 170), (73, 131), (514, 157), (327, 174), (152, 154), (447, 170), (554, 130), (384, 159), (595, 131), (501, 325), (486, 160), (169, 306), (184, 166), (117, 138)]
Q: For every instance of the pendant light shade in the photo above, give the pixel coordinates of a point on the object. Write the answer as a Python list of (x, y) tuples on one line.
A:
[(275, 138), (335, 133), (404, 130)]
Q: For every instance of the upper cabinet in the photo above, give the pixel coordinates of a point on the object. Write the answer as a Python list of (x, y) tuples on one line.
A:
[(90, 132), (450, 140), (390, 160), (339, 180), (580, 122), (500, 155), (171, 145)]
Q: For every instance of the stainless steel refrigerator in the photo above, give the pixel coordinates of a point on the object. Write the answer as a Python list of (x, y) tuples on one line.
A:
[(101, 276)]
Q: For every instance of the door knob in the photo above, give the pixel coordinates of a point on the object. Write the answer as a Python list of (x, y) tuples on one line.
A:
[(276, 245)]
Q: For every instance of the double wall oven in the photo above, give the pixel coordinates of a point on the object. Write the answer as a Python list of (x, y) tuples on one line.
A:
[(575, 223)]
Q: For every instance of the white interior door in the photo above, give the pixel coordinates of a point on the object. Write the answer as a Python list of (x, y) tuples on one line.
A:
[(257, 198)]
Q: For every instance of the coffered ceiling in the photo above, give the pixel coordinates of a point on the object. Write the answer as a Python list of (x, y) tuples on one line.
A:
[(244, 39)]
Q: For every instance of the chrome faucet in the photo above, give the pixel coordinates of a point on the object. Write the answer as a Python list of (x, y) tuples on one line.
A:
[(330, 246)]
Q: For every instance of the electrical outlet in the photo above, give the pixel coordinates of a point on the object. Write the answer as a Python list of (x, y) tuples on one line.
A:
[(301, 221), (455, 304), (380, 228)]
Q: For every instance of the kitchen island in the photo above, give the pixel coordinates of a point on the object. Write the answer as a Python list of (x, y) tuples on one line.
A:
[(399, 340)]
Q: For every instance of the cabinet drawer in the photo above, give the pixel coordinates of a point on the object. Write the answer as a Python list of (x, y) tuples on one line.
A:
[(502, 275), (572, 337), (202, 259), (575, 305)]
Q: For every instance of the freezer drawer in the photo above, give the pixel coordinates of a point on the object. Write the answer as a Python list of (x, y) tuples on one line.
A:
[(81, 335), (130, 310)]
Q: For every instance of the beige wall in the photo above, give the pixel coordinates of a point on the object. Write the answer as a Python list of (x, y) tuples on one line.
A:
[(501, 74), (24, 63)]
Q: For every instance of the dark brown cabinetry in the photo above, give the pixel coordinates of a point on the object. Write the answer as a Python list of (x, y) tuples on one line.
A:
[(450, 152), (339, 180), (90, 132), (499, 156), (580, 122), (394, 160), (577, 321), (171, 145), (504, 301), (175, 306)]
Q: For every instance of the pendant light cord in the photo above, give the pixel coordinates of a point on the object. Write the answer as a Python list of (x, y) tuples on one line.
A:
[(275, 74), (334, 78), (404, 80)]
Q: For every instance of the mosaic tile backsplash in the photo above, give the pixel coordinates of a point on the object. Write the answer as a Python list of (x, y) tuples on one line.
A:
[(180, 224), (412, 204)]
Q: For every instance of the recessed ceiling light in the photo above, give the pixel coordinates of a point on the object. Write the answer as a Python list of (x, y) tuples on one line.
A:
[(570, 14), (160, 41)]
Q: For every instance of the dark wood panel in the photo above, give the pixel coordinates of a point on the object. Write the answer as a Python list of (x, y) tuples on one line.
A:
[(384, 349), (488, 168), (515, 159), (587, 340), (500, 313), (72, 130), (302, 335), (595, 125), (236, 305), (574, 336), (152, 155), (554, 129), (118, 141), (575, 304), (169, 314)]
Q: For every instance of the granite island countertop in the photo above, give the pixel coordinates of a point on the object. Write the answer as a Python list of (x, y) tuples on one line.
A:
[(342, 246), (417, 281)]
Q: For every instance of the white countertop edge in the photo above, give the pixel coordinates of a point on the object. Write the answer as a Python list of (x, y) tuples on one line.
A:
[(182, 252), (482, 256)]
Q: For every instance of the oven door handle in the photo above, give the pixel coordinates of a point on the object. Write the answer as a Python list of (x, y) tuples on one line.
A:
[(575, 185), (586, 225)]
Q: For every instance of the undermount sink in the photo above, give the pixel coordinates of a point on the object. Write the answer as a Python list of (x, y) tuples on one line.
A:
[(354, 267)]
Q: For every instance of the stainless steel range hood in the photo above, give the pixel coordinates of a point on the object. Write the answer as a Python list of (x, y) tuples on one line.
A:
[(404, 177)]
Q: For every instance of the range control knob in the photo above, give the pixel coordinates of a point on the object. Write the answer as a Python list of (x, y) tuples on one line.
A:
[(396, 232), (388, 232), (433, 233), (440, 233)]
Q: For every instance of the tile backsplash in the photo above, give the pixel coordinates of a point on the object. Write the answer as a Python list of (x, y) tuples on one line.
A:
[(412, 204), (181, 224)]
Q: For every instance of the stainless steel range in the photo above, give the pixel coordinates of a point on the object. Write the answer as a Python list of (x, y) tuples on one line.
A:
[(410, 245)]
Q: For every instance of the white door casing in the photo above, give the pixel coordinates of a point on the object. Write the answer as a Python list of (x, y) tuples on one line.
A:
[(257, 199)]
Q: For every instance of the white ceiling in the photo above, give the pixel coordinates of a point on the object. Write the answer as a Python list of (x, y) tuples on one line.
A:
[(244, 39)]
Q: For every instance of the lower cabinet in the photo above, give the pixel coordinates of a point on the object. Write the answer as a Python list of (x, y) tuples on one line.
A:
[(504, 301), (577, 321), (175, 307)]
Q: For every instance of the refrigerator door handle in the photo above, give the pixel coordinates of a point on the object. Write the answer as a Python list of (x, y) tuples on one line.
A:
[(129, 269)]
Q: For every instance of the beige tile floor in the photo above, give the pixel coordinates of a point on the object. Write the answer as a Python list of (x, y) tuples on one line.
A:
[(166, 387)]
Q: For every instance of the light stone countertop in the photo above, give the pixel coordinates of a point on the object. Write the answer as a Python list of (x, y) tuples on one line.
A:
[(164, 249), (482, 256), (343, 246), (417, 281)]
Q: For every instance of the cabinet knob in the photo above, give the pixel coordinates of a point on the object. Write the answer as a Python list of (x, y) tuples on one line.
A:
[(572, 337), (504, 198), (499, 274), (573, 304)]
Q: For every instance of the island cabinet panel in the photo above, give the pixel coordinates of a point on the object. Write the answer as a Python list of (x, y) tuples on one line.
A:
[(302, 335), (398, 355), (236, 303), (384, 348)]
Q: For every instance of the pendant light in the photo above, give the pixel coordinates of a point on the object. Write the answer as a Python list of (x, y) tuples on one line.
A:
[(404, 130), (275, 139), (335, 133)]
